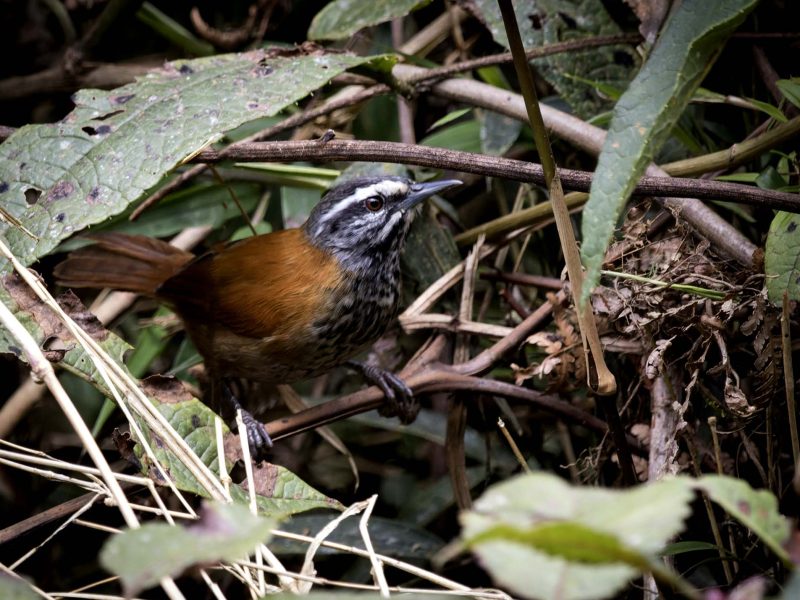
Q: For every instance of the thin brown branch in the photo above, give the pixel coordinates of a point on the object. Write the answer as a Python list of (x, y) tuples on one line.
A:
[(422, 375), (486, 359), (51, 514), (540, 281), (726, 238), (469, 162), (432, 380), (542, 51), (58, 79)]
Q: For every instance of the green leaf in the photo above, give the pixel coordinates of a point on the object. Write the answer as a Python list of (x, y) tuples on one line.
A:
[(51, 334), (279, 492), (790, 88), (449, 118), (705, 95), (116, 145), (770, 179), (756, 509), (581, 542), (296, 204), (197, 205), (460, 136), (294, 175), (549, 21), (142, 557), (684, 547), (571, 541), (739, 177), (498, 132), (428, 254), (494, 76), (769, 109), (424, 502), (782, 257), (12, 588), (342, 18), (172, 31), (647, 112)]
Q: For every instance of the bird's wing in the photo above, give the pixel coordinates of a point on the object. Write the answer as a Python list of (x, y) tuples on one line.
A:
[(263, 286)]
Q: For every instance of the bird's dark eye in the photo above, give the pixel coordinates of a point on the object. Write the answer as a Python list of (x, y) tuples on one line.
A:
[(373, 204)]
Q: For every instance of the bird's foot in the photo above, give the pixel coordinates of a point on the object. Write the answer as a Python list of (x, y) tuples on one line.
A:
[(400, 401), (258, 439)]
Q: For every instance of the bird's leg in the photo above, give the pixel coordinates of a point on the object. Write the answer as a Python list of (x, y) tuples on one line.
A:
[(226, 402), (400, 401)]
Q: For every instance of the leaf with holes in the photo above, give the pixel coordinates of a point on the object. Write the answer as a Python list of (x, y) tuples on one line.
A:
[(549, 21), (115, 145), (279, 492), (756, 509), (782, 257), (50, 333)]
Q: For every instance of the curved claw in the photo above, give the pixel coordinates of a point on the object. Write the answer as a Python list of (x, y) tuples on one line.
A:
[(257, 437), (400, 401)]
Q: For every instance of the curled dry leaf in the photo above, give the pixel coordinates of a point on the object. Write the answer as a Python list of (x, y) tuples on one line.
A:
[(655, 359)]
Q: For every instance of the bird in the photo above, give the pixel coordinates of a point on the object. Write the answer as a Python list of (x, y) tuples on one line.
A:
[(278, 307)]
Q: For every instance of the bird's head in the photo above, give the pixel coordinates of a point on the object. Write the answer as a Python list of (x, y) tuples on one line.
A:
[(367, 218)]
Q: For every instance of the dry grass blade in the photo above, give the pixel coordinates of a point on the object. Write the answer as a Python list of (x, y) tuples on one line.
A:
[(122, 386)]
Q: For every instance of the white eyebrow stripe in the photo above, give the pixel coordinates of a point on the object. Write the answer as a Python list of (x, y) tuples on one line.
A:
[(386, 188)]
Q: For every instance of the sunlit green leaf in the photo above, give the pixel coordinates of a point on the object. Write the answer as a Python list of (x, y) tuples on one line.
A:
[(142, 557), (581, 542)]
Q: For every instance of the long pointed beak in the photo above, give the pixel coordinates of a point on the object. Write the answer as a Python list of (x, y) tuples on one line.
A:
[(420, 191)]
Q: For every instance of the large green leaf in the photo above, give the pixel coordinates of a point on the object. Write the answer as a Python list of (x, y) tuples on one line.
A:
[(549, 21), (498, 132), (756, 509), (279, 492), (586, 543), (342, 18), (202, 204), (581, 542), (59, 178), (464, 136), (16, 589), (782, 257), (647, 111), (51, 334), (142, 557)]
